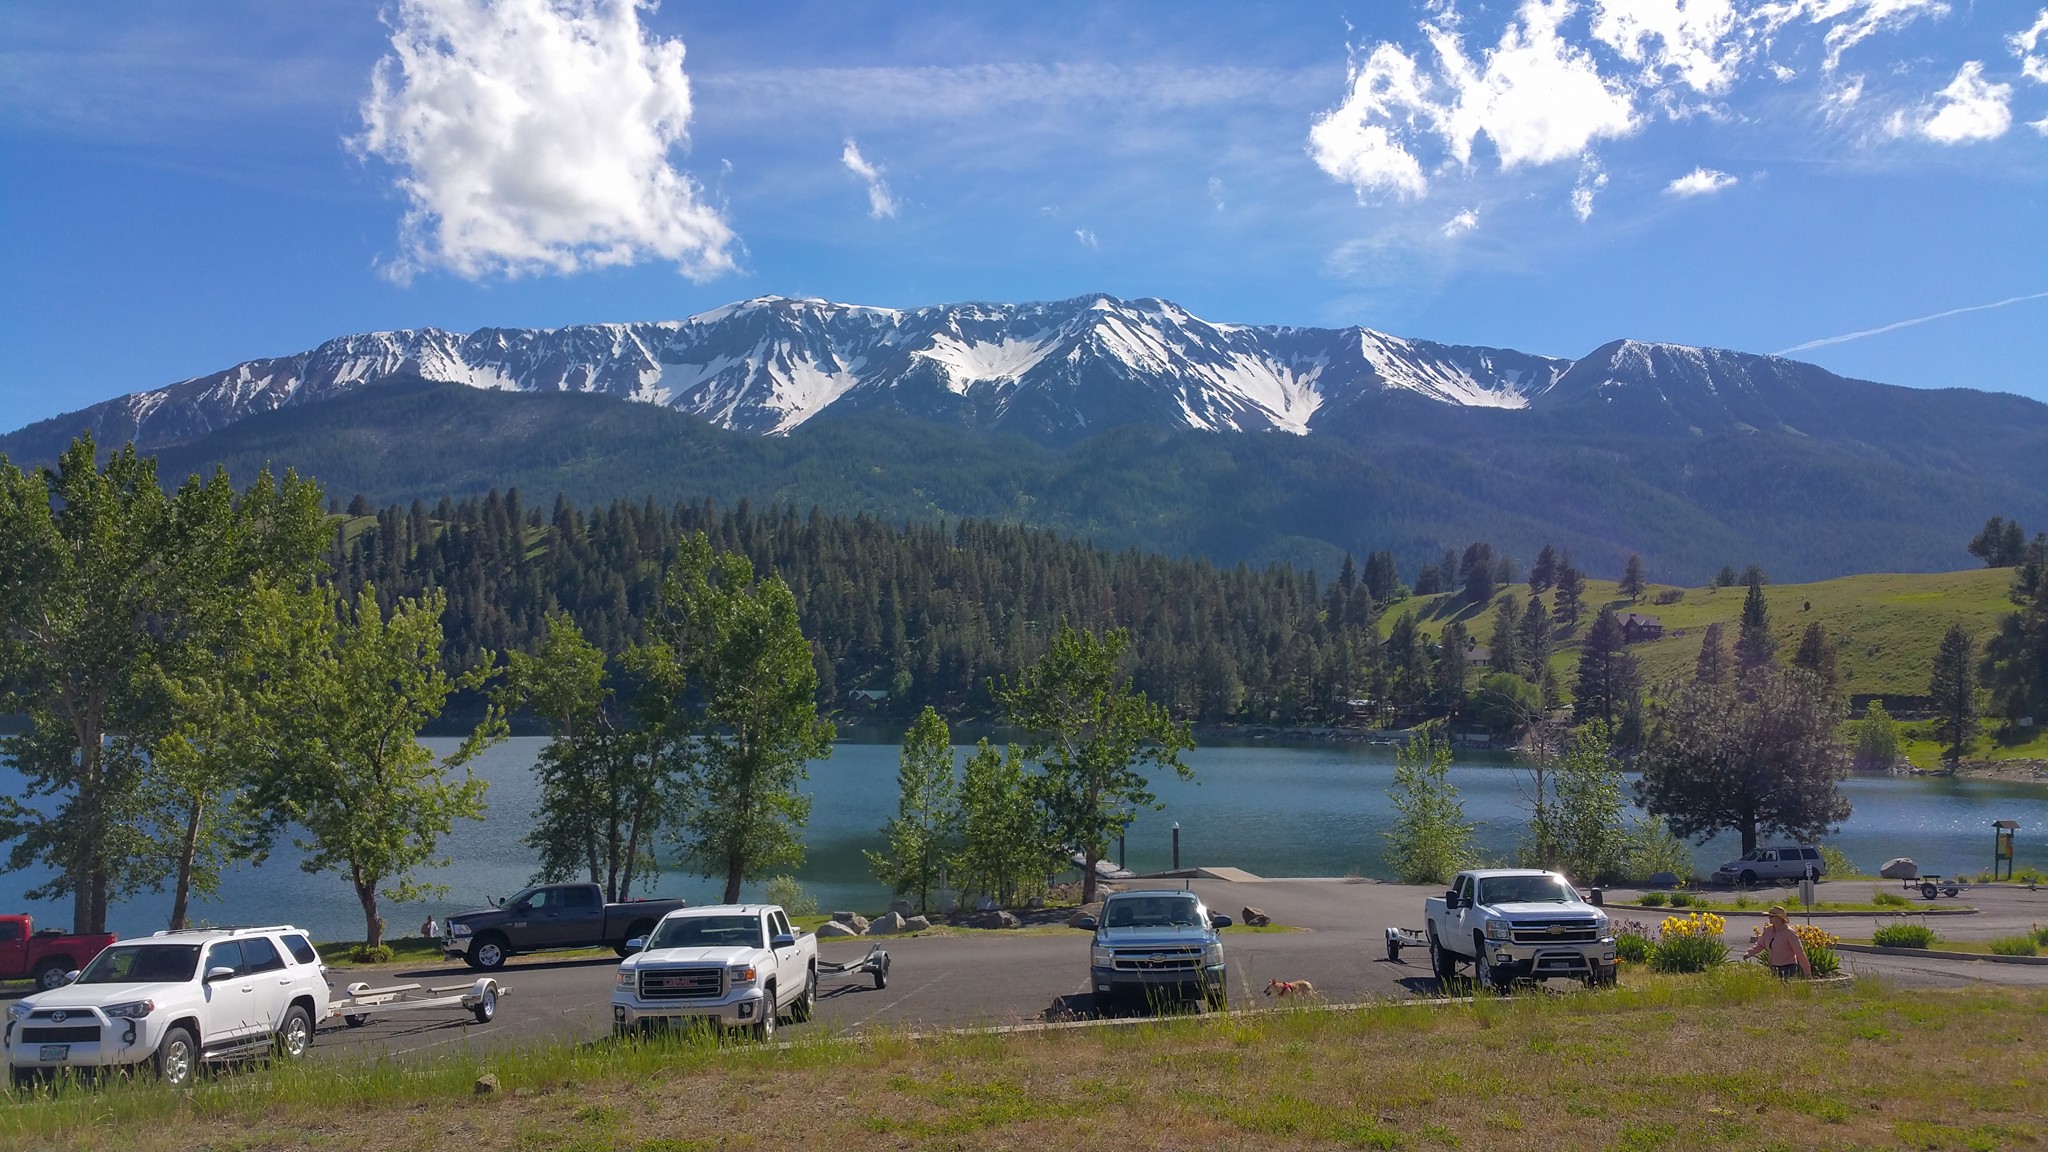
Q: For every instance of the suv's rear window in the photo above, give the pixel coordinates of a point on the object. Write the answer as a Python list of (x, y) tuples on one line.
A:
[(301, 949)]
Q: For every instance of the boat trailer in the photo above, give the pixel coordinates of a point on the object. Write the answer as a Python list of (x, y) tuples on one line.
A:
[(875, 964), (1399, 938), (479, 998)]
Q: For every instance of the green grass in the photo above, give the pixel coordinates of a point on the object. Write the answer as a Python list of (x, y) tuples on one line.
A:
[(1887, 625), (1732, 1059)]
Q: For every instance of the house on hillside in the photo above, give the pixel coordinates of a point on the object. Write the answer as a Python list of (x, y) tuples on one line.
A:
[(1636, 628)]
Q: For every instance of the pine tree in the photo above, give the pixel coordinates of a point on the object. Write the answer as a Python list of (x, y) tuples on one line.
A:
[(1952, 690), (1534, 639), (1571, 587), (1507, 622), (1607, 673), (1754, 645), (1543, 573), (1816, 654), (1712, 665), (1726, 577), (1632, 578)]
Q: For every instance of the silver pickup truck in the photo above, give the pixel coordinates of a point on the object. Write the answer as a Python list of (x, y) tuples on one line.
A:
[(547, 918), (1517, 924), (1157, 943)]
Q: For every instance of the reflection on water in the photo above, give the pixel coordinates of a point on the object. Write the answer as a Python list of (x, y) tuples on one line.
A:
[(1271, 809)]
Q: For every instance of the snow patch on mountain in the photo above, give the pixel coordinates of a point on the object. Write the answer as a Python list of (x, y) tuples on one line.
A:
[(970, 362)]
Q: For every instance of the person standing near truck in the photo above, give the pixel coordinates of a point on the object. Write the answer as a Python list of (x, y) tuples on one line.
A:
[(1781, 946)]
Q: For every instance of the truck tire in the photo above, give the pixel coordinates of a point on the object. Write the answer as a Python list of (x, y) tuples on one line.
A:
[(1748, 878), (51, 972), (295, 1035), (1441, 961), (176, 1062), (1482, 966), (489, 953), (764, 1028), (639, 930), (800, 1012), (1217, 997)]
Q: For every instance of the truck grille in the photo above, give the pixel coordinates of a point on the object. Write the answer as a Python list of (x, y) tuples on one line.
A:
[(61, 1034), (682, 983), (1157, 959), (1555, 932)]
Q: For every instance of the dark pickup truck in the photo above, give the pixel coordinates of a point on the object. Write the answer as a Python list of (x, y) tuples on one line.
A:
[(549, 918)]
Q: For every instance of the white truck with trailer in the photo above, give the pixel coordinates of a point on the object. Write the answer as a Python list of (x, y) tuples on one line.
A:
[(1514, 925), (727, 966)]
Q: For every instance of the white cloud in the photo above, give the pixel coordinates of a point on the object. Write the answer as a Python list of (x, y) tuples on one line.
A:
[(2031, 46), (1462, 223), (1701, 40), (880, 203), (1971, 109), (1087, 238), (1699, 182), (1349, 145), (535, 136), (1216, 192), (1591, 181)]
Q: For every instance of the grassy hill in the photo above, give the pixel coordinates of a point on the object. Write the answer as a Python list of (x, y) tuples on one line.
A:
[(1886, 625)]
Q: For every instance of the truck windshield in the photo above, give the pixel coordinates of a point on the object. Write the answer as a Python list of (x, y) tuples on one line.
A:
[(1526, 890), (1153, 912), (708, 932), (142, 964)]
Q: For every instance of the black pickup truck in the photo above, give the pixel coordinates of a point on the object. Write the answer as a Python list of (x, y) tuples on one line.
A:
[(548, 918)]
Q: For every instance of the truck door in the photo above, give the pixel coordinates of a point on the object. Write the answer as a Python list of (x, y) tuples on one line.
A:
[(273, 983), (13, 948), (789, 975), (1465, 917), (231, 1001), (580, 918)]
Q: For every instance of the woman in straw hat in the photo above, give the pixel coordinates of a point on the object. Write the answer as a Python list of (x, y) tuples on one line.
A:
[(1781, 946)]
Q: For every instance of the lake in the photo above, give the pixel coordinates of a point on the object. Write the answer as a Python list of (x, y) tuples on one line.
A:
[(1271, 808)]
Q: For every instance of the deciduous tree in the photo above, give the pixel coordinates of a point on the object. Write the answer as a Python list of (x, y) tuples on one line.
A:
[(1431, 840), (922, 833)]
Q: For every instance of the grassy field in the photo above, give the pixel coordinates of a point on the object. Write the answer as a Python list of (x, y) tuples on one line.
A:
[(1734, 1060), (1887, 625)]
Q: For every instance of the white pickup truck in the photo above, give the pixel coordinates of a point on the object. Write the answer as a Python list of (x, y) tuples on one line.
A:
[(726, 965), (1515, 924)]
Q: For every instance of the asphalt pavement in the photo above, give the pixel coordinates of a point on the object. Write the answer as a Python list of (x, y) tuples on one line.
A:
[(993, 978)]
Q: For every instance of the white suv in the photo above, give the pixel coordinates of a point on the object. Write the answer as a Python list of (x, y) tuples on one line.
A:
[(172, 1000)]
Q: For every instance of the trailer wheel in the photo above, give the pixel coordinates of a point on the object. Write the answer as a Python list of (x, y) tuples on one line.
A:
[(487, 1004), (356, 1019), (1927, 891), (51, 972), (882, 971), (1393, 950)]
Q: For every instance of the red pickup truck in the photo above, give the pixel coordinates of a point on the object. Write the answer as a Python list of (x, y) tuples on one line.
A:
[(44, 956)]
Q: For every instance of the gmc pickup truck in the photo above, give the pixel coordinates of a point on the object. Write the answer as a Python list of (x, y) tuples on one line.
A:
[(1517, 924), (1157, 943), (548, 918), (47, 957), (726, 966)]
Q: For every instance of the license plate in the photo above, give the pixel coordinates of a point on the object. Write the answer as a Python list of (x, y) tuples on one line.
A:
[(54, 1052)]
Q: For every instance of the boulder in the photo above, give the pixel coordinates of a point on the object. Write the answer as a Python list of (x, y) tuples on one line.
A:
[(1253, 918), (831, 928), (1900, 868), (886, 925), (487, 1084), (994, 918), (843, 917), (1662, 880), (917, 924), (1093, 910), (901, 908)]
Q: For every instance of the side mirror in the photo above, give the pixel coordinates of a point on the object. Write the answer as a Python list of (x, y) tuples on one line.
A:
[(1450, 897), (1086, 923), (783, 941), (636, 944), (1221, 921), (72, 976), (219, 972)]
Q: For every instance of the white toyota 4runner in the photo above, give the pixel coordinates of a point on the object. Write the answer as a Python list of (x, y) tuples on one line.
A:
[(172, 1000)]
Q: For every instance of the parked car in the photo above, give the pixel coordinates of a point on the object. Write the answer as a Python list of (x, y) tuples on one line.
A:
[(1156, 943), (1773, 865), (173, 1000), (725, 965), (547, 918), (1517, 924), (46, 956)]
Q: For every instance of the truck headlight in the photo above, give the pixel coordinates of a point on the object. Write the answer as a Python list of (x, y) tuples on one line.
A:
[(1099, 956), (18, 1011), (1499, 930), (458, 929), (741, 975), (132, 1010), (1213, 954), (625, 978)]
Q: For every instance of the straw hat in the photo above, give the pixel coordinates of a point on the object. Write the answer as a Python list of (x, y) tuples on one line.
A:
[(1777, 912)]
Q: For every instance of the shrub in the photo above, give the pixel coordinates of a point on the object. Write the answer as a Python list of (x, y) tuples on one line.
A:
[(2014, 946), (1903, 936), (1744, 901), (1690, 943), (1889, 900), (784, 890), (1681, 899), (1836, 862), (1653, 899), (1632, 942), (364, 954), (2040, 934)]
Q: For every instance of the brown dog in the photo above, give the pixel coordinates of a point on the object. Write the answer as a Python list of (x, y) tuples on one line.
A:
[(1286, 988)]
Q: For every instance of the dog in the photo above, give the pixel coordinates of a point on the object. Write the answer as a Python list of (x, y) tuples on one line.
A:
[(1285, 988)]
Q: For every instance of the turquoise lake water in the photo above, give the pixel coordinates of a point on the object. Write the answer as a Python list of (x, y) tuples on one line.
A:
[(1274, 809)]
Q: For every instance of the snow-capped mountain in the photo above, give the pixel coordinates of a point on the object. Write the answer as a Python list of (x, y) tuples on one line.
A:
[(1051, 370)]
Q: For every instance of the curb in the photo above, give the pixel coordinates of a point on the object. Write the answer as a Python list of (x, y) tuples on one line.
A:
[(1938, 954), (1667, 910)]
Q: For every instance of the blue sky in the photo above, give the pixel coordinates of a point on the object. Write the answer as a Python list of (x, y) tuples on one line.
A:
[(185, 186)]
